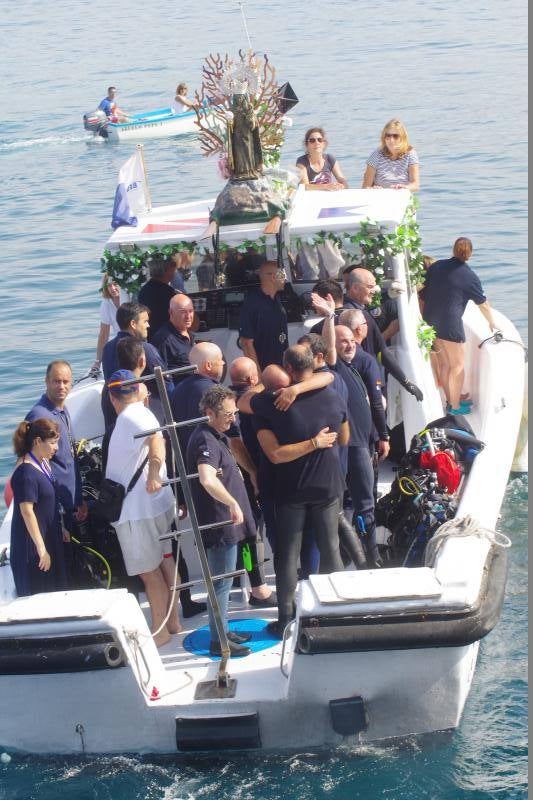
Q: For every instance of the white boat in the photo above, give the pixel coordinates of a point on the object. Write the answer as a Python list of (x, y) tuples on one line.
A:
[(161, 123), (371, 654)]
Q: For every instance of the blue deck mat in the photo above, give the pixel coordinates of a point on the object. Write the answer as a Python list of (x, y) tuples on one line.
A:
[(197, 642)]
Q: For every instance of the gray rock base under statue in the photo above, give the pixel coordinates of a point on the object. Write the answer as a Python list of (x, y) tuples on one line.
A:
[(247, 201)]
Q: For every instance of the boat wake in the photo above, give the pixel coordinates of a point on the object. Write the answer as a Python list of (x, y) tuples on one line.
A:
[(22, 144)]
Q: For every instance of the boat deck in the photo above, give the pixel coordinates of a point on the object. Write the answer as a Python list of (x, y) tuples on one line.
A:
[(179, 663)]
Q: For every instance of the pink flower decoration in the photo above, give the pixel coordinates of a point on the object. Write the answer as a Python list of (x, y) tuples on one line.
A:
[(223, 166)]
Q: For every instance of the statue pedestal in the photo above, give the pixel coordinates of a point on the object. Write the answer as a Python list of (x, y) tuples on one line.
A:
[(248, 201)]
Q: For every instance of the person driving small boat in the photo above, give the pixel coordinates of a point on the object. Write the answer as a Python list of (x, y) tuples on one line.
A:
[(110, 108)]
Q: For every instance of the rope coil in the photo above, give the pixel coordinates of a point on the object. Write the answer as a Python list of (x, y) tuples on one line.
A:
[(461, 528)]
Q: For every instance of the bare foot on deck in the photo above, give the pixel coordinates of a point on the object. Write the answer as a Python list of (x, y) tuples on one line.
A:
[(161, 638), (173, 623)]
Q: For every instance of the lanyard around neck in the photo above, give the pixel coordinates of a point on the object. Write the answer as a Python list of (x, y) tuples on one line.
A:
[(43, 466)]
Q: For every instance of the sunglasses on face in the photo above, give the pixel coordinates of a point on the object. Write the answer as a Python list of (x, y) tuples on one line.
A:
[(315, 139), (392, 136)]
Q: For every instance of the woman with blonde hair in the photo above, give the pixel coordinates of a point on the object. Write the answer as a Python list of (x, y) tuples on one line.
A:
[(112, 297), (37, 556), (394, 165), (183, 104)]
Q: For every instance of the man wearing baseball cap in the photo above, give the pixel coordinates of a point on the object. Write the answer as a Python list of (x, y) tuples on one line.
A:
[(148, 509)]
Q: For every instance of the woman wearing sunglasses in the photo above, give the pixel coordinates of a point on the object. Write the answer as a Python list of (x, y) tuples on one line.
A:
[(394, 165), (319, 170)]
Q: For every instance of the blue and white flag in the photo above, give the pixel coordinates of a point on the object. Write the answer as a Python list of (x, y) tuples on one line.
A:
[(130, 196)]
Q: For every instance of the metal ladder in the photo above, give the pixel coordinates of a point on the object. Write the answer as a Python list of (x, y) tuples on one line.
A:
[(223, 686)]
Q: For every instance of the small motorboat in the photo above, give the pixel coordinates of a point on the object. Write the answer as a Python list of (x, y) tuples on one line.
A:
[(161, 123)]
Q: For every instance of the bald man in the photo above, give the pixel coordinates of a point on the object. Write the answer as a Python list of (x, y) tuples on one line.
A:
[(361, 288), (186, 396), (175, 339)]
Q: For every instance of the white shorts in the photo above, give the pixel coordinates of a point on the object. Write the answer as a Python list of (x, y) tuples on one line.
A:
[(139, 541)]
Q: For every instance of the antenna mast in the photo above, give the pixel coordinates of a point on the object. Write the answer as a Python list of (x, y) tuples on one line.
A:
[(245, 26)]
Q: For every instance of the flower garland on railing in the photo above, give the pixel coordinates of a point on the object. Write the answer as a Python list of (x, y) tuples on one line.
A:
[(128, 269), (371, 244), (426, 335)]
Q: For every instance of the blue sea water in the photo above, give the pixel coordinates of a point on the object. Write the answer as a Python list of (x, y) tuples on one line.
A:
[(455, 74)]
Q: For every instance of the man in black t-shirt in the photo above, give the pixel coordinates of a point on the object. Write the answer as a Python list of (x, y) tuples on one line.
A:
[(341, 351), (308, 482), (157, 293), (263, 330)]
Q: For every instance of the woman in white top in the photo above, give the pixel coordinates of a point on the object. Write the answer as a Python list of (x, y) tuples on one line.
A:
[(113, 296), (394, 165), (183, 104)]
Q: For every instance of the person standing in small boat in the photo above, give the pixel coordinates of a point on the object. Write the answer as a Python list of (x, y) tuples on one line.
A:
[(36, 551), (110, 108), (448, 287), (394, 165)]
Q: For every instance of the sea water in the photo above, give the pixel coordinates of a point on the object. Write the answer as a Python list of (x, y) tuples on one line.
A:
[(454, 72)]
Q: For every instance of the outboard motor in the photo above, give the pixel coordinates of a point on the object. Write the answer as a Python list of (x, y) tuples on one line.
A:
[(96, 122)]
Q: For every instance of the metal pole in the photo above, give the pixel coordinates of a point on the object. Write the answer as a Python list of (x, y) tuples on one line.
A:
[(222, 678), (140, 148), (245, 26)]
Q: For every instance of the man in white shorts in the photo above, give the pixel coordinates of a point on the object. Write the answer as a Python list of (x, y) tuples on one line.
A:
[(148, 509)]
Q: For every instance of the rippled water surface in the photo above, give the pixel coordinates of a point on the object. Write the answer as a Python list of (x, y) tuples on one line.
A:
[(455, 73)]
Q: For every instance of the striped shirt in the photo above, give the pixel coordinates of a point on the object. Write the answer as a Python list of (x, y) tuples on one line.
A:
[(390, 171)]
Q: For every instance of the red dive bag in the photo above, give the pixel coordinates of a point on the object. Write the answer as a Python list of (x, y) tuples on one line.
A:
[(446, 468)]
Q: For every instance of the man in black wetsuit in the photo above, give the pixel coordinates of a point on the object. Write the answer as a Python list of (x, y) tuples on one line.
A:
[(361, 286)]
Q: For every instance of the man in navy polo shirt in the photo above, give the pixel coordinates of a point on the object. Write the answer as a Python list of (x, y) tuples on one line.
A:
[(133, 320), (185, 401), (185, 398), (308, 482), (174, 339), (64, 464), (263, 330), (217, 499)]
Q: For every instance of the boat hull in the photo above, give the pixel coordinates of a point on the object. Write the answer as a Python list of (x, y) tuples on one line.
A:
[(158, 124)]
